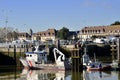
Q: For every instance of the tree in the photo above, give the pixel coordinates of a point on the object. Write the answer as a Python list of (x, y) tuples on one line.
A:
[(6, 33), (116, 23), (63, 33)]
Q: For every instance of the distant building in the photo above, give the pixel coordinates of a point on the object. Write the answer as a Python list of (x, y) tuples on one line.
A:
[(88, 32), (24, 36), (73, 34), (50, 34)]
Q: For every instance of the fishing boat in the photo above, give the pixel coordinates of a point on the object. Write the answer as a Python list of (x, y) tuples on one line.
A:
[(97, 66), (93, 64), (38, 60)]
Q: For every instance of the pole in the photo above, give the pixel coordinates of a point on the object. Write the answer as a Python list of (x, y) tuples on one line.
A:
[(6, 22), (118, 50), (15, 54)]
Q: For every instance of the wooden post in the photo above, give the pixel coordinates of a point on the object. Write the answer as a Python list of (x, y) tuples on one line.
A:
[(113, 51), (26, 48), (76, 60), (20, 56), (58, 44), (20, 51), (118, 50), (15, 54), (76, 64), (8, 51)]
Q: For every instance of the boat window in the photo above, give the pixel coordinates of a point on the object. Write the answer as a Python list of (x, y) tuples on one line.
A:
[(30, 55)]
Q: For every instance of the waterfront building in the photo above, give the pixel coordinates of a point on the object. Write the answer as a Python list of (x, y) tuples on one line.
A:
[(103, 31), (24, 36), (45, 35)]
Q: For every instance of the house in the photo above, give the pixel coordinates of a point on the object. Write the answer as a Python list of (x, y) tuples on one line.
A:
[(88, 32), (24, 36), (45, 35)]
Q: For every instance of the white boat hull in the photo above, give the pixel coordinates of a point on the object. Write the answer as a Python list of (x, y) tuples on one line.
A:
[(32, 65)]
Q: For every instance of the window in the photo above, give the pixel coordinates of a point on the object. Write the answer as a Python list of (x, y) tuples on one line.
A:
[(44, 34), (27, 55), (48, 33), (52, 33), (103, 30)]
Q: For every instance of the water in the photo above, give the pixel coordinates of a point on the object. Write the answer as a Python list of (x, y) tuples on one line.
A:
[(100, 75), (13, 73)]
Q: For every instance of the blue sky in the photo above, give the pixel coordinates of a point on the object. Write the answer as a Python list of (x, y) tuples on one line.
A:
[(40, 15)]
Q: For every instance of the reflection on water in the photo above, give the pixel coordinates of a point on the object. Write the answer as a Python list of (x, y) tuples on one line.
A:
[(44, 75), (9, 72), (100, 75), (25, 74)]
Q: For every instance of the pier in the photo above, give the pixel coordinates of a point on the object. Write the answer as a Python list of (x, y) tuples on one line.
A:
[(76, 60), (115, 52)]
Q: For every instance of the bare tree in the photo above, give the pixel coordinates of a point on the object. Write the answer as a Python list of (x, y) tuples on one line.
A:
[(6, 33)]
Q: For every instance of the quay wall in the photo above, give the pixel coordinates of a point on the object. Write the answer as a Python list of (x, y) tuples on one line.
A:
[(10, 56), (17, 49), (17, 52)]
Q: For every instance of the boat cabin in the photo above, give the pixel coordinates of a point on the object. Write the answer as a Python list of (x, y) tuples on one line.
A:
[(39, 56)]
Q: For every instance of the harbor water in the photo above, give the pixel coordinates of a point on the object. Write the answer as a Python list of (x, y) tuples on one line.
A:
[(14, 73)]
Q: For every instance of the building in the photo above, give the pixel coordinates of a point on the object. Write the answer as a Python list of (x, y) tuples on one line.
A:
[(88, 32), (73, 34), (24, 36), (45, 35)]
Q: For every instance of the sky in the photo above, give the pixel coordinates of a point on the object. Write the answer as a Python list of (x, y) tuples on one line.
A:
[(40, 15)]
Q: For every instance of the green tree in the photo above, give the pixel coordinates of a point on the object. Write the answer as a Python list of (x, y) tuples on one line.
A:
[(63, 33), (116, 23)]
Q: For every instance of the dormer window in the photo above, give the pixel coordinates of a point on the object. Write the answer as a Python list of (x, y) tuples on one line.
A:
[(44, 34), (48, 33), (103, 30)]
